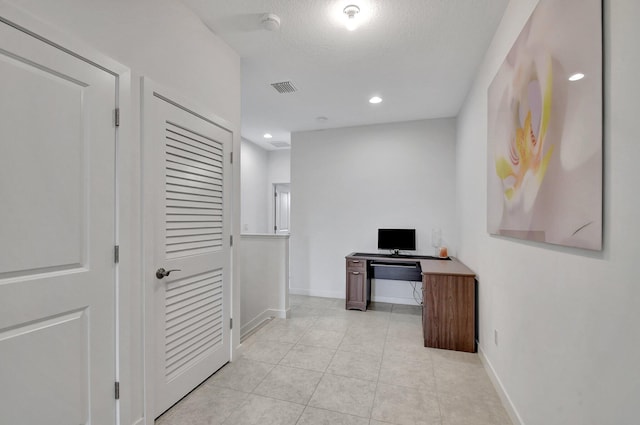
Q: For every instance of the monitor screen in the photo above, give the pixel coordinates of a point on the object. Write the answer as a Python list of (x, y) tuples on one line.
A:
[(397, 239)]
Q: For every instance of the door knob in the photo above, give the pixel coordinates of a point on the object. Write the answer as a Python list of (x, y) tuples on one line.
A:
[(160, 273)]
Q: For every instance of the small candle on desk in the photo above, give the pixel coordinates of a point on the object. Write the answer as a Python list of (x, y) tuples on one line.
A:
[(443, 251)]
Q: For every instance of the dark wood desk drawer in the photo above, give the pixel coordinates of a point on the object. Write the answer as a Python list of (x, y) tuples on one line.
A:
[(358, 289), (356, 265)]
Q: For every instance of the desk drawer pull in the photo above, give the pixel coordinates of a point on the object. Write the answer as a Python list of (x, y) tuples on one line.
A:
[(355, 272), (355, 261)]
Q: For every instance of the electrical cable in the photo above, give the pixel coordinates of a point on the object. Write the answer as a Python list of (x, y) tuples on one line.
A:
[(415, 290)]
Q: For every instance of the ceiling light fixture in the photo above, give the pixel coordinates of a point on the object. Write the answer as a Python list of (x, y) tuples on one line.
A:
[(577, 76), (375, 99), (270, 22), (351, 11), (267, 136)]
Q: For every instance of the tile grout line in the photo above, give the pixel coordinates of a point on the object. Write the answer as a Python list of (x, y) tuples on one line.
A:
[(435, 384), (321, 377), (384, 347), (278, 364)]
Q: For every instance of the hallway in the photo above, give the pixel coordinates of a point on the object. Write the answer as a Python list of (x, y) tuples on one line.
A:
[(327, 365)]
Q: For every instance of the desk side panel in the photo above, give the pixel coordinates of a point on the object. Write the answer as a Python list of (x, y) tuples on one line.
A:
[(449, 316)]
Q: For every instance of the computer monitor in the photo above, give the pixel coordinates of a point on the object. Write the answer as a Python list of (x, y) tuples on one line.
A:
[(397, 239)]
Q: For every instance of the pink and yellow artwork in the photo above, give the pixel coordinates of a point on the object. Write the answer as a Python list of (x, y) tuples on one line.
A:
[(545, 129)]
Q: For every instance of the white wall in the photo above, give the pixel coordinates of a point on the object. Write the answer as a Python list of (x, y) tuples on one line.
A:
[(265, 277), (165, 41), (260, 170), (568, 320), (347, 183), (279, 166), (255, 201), (161, 39)]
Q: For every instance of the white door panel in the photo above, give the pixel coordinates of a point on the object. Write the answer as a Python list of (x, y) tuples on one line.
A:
[(189, 161), (282, 194), (57, 275)]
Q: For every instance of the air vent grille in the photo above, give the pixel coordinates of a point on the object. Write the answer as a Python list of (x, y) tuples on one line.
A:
[(280, 144), (284, 87)]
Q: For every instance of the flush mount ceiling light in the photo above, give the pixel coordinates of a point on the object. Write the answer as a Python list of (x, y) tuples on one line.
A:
[(576, 77), (270, 22), (351, 11), (267, 136), (375, 99)]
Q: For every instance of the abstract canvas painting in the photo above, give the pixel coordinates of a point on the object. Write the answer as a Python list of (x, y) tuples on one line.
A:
[(544, 150)]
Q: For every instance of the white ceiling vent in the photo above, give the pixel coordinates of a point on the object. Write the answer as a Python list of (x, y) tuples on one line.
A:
[(280, 144), (284, 87)]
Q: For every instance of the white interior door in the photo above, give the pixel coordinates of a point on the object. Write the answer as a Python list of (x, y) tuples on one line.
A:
[(57, 271), (191, 169), (282, 199)]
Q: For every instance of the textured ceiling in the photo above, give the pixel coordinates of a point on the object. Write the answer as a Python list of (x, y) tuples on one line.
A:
[(420, 56)]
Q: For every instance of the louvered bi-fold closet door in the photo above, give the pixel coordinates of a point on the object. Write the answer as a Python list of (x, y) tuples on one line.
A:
[(192, 235)]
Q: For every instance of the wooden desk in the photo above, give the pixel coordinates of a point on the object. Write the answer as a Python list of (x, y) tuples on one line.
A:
[(448, 294), (362, 267), (449, 305)]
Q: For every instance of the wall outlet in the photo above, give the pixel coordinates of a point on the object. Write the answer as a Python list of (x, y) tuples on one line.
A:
[(495, 337)]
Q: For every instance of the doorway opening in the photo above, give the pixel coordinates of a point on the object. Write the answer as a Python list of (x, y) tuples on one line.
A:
[(281, 206)]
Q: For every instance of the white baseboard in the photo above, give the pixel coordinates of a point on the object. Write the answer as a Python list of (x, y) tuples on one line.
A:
[(316, 293), (280, 314), (504, 397), (257, 321), (394, 300), (340, 295)]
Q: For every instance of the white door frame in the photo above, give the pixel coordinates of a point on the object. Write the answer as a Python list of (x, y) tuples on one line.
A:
[(275, 206), (148, 88), (126, 159)]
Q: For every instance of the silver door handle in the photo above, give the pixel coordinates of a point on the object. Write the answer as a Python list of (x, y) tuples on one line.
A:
[(161, 273)]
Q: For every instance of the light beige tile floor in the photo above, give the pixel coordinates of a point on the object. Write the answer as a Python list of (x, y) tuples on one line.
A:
[(330, 366)]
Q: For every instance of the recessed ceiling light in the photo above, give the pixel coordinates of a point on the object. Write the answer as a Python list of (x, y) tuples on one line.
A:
[(577, 76), (267, 136), (375, 99), (351, 11)]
